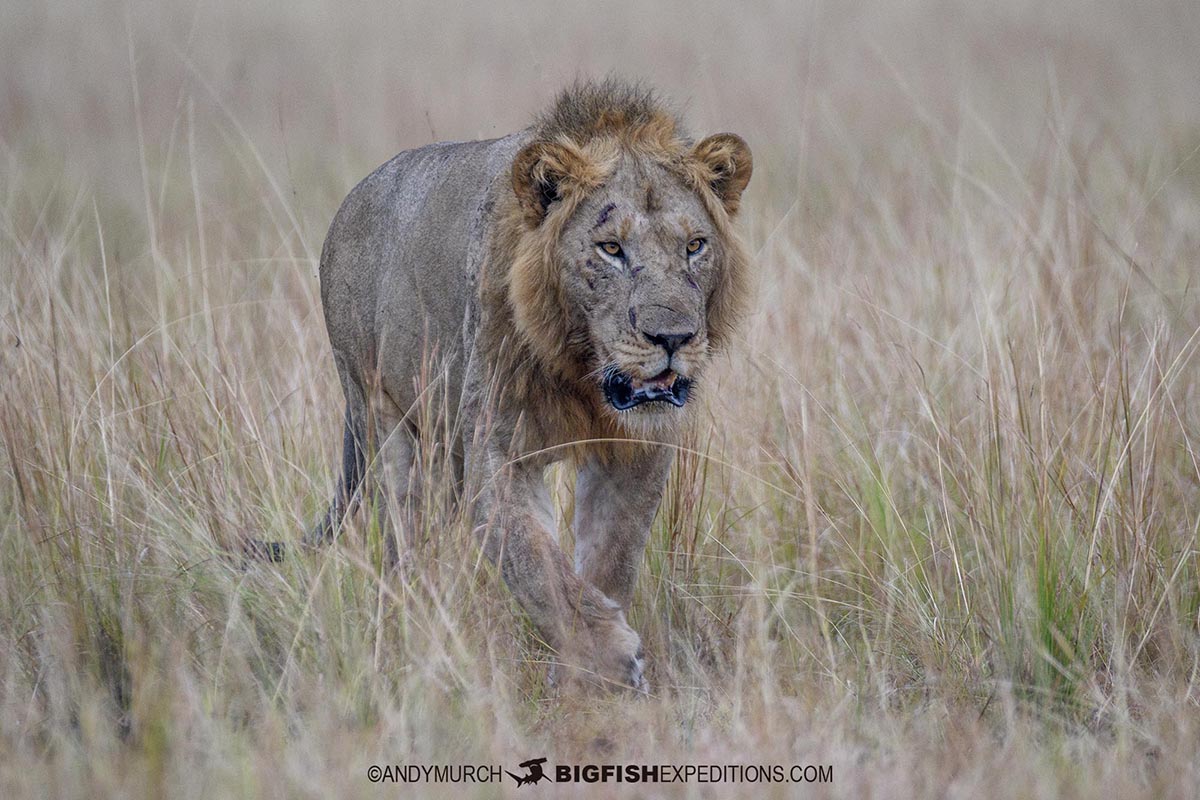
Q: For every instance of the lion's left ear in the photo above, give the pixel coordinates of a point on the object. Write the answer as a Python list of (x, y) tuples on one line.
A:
[(726, 165)]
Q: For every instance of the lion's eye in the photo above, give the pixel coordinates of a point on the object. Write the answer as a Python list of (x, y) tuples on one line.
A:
[(695, 246), (612, 249)]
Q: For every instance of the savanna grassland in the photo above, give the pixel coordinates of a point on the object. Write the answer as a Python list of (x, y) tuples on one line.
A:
[(938, 524)]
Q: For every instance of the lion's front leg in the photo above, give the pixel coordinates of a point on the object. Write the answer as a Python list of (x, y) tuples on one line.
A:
[(587, 630), (615, 502)]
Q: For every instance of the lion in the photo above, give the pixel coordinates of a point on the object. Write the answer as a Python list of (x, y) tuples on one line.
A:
[(574, 279)]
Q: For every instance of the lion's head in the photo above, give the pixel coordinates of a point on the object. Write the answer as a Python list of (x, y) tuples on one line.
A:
[(628, 273)]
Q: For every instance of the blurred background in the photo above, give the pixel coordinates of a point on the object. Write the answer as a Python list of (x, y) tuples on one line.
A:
[(322, 90)]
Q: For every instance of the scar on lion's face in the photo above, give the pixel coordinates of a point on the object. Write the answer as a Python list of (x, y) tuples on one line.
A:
[(604, 212)]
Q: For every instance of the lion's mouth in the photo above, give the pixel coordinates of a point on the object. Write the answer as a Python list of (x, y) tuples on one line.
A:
[(623, 391)]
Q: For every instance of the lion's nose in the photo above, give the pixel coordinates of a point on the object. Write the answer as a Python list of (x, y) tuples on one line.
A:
[(670, 340)]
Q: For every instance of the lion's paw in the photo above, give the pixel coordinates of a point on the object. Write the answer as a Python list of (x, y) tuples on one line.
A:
[(608, 655)]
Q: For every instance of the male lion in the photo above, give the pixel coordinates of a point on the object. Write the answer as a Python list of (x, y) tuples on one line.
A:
[(572, 281)]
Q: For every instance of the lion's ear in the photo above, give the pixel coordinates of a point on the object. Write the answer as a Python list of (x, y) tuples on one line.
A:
[(542, 172), (726, 165)]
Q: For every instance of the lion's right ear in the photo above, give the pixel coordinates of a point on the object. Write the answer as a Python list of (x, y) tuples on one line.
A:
[(543, 172)]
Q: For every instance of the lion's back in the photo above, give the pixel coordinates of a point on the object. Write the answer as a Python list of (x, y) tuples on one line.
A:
[(399, 263)]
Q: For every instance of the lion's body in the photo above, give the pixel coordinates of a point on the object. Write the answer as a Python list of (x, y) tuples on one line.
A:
[(400, 266), (467, 277)]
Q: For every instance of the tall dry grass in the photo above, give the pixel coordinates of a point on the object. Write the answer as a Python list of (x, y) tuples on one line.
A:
[(938, 527)]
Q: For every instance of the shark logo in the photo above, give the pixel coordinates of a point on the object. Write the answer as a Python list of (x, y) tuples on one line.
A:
[(535, 773)]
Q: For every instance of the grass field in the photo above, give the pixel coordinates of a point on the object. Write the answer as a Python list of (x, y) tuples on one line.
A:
[(939, 527)]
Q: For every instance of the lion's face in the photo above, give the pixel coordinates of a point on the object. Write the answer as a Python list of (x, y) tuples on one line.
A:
[(629, 273), (640, 258)]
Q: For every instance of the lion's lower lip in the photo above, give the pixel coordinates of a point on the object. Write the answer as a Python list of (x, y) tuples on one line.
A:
[(624, 392)]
